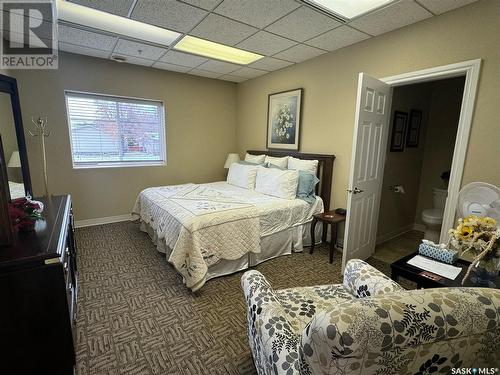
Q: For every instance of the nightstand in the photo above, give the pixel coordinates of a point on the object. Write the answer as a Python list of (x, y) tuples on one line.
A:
[(329, 217)]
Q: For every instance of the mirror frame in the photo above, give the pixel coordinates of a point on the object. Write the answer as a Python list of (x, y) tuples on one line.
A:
[(9, 85)]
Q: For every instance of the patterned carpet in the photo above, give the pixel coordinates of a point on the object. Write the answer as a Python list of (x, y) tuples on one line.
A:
[(136, 317)]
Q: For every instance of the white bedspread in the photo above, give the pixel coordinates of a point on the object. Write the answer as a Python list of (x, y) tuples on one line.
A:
[(205, 223)]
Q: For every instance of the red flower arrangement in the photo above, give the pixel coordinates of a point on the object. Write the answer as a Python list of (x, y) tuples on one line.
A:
[(24, 213)]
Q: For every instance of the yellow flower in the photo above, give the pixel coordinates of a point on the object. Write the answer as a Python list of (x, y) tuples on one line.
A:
[(466, 231), (489, 221)]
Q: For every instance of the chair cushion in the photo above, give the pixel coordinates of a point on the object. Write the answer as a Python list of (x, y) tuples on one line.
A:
[(301, 304)]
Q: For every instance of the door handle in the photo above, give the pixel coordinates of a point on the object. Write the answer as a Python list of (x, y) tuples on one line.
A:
[(355, 191)]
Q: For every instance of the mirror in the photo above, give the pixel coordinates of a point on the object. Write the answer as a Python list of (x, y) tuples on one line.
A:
[(10, 147), (14, 160)]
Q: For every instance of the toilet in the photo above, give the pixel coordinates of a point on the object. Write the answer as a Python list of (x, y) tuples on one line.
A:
[(433, 217)]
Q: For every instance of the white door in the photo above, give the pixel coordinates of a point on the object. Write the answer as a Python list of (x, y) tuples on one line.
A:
[(371, 129)]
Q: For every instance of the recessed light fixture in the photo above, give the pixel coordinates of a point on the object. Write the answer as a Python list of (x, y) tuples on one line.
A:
[(347, 9), (217, 51), (96, 19), (119, 59)]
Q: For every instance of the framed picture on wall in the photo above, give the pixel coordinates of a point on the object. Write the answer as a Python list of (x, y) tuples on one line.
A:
[(398, 131), (414, 128), (283, 119)]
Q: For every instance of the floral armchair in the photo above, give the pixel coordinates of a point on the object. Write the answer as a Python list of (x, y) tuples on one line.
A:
[(370, 325)]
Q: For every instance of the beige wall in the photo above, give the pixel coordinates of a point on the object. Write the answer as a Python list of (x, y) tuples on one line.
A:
[(329, 83), (444, 114), (200, 118), (397, 211)]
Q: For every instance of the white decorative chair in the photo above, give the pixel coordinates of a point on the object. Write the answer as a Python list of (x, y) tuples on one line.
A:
[(370, 325)]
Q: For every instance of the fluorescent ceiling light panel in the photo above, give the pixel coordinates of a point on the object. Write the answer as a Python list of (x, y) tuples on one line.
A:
[(96, 19), (348, 8), (217, 51)]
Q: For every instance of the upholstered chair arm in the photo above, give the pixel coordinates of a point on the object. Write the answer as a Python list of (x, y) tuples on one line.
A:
[(422, 331), (273, 342), (362, 280)]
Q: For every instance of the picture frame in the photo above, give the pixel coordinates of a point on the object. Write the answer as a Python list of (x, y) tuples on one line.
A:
[(284, 111), (398, 131), (412, 137)]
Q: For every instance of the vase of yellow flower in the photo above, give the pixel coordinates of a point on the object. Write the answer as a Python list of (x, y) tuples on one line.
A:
[(479, 237)]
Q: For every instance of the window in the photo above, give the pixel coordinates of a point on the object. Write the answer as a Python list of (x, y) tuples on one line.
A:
[(110, 131)]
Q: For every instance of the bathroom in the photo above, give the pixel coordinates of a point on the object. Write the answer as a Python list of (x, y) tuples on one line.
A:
[(424, 123)]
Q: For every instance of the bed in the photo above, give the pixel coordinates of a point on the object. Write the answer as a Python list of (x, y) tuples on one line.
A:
[(214, 229)]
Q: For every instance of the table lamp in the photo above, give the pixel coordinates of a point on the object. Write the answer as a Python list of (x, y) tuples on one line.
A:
[(14, 161)]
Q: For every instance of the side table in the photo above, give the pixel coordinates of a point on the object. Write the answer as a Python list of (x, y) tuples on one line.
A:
[(329, 217)]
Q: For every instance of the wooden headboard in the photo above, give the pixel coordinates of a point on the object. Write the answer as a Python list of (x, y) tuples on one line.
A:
[(324, 173)]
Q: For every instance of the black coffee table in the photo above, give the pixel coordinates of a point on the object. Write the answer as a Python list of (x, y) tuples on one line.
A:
[(402, 269)]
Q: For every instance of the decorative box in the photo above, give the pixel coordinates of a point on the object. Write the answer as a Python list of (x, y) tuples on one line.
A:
[(438, 253)]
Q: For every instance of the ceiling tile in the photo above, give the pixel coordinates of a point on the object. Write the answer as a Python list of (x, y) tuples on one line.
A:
[(390, 18), (171, 14), (265, 43), (141, 50), (120, 7), (83, 50), (134, 60), (270, 64), (258, 13), (222, 30), (86, 38), (172, 67), (442, 6), (300, 53), (204, 73), (302, 24), (248, 72), (231, 78), (205, 4), (219, 66), (338, 38), (184, 59)]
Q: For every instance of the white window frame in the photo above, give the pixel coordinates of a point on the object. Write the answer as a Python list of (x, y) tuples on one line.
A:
[(119, 164)]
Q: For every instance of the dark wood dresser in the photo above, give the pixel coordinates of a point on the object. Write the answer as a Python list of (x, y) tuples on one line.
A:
[(38, 291)]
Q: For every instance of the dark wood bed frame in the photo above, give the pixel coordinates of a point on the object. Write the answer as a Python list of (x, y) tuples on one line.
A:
[(324, 173)]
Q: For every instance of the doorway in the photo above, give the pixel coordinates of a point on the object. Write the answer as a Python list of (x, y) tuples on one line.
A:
[(417, 165), (369, 145)]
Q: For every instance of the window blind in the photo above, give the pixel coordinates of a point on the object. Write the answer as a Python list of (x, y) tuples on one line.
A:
[(115, 131)]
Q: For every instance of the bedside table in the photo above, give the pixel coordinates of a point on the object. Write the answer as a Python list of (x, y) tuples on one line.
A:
[(329, 217)]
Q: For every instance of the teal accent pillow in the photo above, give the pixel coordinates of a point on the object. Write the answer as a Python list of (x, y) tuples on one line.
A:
[(270, 165), (244, 162), (306, 186)]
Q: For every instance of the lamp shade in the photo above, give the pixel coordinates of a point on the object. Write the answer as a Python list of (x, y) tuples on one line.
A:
[(231, 158), (14, 161)]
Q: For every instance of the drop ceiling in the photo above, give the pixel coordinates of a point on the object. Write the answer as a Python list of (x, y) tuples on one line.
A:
[(286, 32)]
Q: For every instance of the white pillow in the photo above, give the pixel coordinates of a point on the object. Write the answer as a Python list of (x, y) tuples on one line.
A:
[(303, 165), (242, 175), (258, 159), (276, 182), (279, 162)]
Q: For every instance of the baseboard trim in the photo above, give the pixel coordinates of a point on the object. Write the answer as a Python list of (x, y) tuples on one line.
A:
[(102, 220), (419, 227), (398, 232)]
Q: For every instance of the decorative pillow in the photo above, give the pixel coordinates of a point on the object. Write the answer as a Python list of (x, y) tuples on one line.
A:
[(307, 186), (259, 159), (242, 175), (278, 183), (303, 165), (244, 162), (279, 162)]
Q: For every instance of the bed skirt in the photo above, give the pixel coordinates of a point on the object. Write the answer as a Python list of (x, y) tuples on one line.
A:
[(277, 244)]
